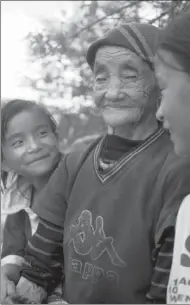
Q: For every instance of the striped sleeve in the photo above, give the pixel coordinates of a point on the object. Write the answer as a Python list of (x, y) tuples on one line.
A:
[(44, 256), (14, 239), (162, 260)]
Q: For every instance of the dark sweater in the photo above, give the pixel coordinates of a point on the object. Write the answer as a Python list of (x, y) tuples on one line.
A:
[(117, 224)]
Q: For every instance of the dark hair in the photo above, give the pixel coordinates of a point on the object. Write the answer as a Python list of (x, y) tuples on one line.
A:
[(12, 108), (181, 59), (175, 38)]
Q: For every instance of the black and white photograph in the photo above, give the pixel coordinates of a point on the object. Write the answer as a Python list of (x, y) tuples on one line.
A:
[(95, 152)]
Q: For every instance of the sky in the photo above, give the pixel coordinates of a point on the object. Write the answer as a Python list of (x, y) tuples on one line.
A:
[(17, 19)]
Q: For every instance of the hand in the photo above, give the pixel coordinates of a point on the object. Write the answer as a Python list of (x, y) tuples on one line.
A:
[(7, 288), (10, 300), (29, 293)]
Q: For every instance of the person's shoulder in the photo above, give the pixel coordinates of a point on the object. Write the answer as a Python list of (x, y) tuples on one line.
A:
[(185, 206), (176, 165), (80, 154), (172, 166)]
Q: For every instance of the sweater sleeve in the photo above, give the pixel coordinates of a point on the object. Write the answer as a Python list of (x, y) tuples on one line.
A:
[(14, 239), (44, 252), (44, 256), (175, 187), (51, 203), (162, 260)]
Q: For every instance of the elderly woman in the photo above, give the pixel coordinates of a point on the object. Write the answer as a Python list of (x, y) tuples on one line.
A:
[(117, 202), (173, 73)]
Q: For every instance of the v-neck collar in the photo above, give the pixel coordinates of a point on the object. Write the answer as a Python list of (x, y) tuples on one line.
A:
[(126, 157)]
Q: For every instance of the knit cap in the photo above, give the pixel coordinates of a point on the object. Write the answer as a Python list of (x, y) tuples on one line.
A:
[(140, 38)]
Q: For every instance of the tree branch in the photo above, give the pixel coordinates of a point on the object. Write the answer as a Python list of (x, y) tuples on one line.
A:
[(159, 17), (103, 18)]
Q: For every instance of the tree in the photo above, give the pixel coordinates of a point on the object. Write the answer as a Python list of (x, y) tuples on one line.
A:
[(59, 49)]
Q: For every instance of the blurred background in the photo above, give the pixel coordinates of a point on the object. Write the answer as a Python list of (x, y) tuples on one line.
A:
[(43, 50)]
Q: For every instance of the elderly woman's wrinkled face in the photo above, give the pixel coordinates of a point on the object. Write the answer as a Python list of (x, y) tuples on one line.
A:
[(123, 86), (174, 109)]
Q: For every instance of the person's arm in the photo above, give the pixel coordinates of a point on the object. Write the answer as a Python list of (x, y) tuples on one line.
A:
[(44, 256), (14, 242), (162, 260), (43, 265), (12, 257), (174, 188), (44, 253)]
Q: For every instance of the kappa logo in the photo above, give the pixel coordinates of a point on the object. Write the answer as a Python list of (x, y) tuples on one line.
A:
[(87, 240), (185, 259)]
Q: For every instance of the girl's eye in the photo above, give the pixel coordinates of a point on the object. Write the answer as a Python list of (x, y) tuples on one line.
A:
[(17, 143)]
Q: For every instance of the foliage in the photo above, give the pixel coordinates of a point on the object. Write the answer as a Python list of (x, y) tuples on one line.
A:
[(59, 48)]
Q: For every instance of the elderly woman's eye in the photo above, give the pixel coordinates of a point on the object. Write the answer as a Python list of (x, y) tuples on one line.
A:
[(129, 75), (101, 78), (43, 133)]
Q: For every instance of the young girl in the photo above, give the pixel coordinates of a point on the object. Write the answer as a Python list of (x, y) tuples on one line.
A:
[(29, 154), (173, 72)]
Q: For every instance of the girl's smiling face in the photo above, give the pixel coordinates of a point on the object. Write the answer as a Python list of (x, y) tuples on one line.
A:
[(174, 109), (30, 145)]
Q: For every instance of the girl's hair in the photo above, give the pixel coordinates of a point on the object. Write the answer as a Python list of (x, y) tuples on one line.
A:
[(175, 38), (12, 108)]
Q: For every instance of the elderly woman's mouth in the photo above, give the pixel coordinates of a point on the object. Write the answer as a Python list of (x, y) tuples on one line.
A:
[(118, 105)]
